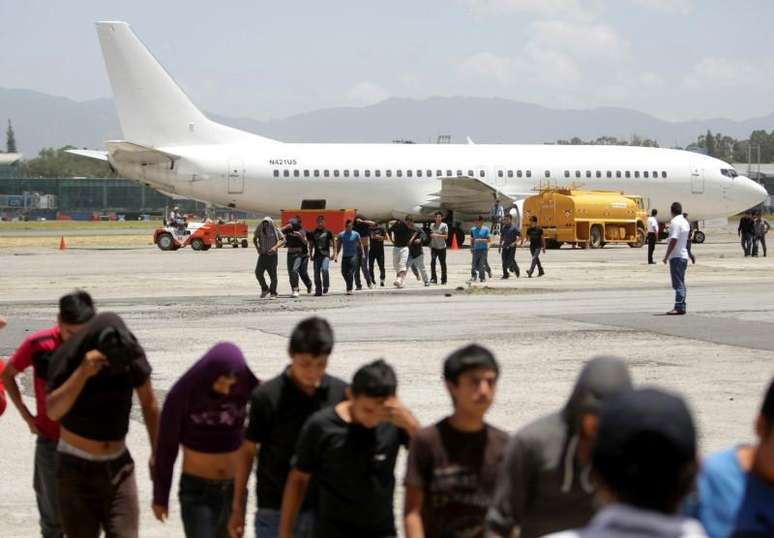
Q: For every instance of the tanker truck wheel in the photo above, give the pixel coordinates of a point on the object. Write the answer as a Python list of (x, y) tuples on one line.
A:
[(699, 237), (640, 239), (596, 240)]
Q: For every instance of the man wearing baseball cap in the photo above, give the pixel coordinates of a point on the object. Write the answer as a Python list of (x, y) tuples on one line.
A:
[(645, 462), (544, 483)]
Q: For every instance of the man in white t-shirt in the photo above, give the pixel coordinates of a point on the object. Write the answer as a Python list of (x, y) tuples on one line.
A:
[(652, 234), (677, 254)]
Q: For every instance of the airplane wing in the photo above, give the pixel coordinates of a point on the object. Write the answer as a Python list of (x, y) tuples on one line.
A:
[(90, 153), (468, 195), (121, 150)]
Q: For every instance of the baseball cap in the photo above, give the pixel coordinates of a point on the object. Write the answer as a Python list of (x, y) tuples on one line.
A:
[(645, 447)]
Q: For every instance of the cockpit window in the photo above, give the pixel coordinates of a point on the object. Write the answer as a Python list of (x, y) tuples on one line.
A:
[(729, 172)]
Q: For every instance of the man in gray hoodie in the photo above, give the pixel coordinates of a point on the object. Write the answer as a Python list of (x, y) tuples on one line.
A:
[(544, 483), (268, 239)]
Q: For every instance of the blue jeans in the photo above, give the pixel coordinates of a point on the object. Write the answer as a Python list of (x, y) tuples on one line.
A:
[(44, 483), (205, 506), (677, 267), (267, 523)]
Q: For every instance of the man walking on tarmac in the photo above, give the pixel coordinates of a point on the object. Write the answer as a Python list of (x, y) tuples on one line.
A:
[(322, 244), (677, 254), (268, 239), (746, 232), (439, 232), (363, 227), (652, 235), (508, 238), (297, 241), (537, 244)]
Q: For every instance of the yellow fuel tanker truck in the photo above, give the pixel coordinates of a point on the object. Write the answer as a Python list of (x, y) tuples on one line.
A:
[(587, 218)]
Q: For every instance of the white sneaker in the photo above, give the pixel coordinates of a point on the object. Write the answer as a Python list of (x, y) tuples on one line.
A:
[(396, 283), (294, 294), (349, 292)]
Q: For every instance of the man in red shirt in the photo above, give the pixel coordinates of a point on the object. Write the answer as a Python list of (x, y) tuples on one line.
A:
[(75, 309)]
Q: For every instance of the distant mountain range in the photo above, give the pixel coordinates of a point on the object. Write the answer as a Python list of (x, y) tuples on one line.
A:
[(42, 120)]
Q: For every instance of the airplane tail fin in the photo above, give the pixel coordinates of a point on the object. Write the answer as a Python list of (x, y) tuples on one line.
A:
[(153, 110)]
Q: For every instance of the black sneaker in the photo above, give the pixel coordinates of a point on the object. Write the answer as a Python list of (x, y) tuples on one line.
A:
[(318, 294), (309, 289), (359, 288), (529, 274), (505, 277), (541, 273), (381, 283)]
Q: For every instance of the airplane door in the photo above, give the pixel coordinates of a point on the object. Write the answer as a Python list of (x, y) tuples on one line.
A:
[(236, 177), (697, 181)]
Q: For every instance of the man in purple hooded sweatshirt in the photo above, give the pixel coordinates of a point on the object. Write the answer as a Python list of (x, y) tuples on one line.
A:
[(205, 413)]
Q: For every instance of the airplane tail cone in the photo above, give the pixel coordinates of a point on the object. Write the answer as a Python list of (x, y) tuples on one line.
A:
[(62, 244), (454, 245)]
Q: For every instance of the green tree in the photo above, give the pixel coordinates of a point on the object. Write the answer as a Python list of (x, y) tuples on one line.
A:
[(52, 162), (10, 139)]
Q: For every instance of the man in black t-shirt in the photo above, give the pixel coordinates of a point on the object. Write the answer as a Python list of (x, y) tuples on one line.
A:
[(453, 465), (363, 227), (322, 244), (296, 240), (537, 244), (278, 410), (401, 233), (376, 254), (349, 451), (91, 380)]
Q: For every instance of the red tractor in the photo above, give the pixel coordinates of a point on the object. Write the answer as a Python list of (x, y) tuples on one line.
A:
[(201, 236)]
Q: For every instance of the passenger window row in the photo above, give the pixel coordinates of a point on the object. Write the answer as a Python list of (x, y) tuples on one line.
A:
[(609, 174), (470, 173), (385, 173)]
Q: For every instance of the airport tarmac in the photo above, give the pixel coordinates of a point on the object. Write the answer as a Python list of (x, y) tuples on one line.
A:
[(609, 301)]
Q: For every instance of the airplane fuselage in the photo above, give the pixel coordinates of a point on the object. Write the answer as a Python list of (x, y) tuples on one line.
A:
[(385, 180)]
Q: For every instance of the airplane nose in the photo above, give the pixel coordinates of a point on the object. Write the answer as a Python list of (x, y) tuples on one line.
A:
[(748, 193)]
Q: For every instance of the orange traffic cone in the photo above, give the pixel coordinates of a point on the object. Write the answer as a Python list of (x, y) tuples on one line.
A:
[(454, 245), (62, 245)]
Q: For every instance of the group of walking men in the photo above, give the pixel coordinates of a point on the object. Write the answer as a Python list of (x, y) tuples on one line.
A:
[(360, 249), (752, 232), (615, 461)]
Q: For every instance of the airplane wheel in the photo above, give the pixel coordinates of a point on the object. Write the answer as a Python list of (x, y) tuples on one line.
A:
[(165, 242), (197, 244), (699, 237), (596, 237)]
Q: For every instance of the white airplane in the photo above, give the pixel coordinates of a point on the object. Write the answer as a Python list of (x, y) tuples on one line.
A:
[(173, 147)]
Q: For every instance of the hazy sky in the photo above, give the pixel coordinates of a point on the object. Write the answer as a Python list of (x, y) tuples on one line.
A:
[(676, 59)]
